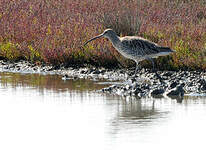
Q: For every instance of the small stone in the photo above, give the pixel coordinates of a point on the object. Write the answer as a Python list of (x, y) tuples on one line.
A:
[(127, 87), (18, 69), (65, 77), (11, 66), (75, 77), (50, 69), (202, 86), (167, 74), (136, 91), (140, 95), (6, 67), (96, 72), (145, 86)]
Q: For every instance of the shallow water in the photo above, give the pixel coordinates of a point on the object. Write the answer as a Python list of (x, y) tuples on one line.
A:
[(44, 112)]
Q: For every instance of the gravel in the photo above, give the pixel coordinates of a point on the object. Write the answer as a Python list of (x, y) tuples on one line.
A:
[(173, 84)]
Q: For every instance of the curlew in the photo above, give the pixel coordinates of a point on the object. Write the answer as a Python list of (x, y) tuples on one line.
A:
[(134, 47)]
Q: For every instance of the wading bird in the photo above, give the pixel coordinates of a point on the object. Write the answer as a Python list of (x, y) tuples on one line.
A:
[(134, 47)]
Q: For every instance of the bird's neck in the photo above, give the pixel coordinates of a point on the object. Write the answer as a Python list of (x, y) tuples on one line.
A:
[(115, 40)]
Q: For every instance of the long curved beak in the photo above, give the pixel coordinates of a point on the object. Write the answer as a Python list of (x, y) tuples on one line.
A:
[(94, 38)]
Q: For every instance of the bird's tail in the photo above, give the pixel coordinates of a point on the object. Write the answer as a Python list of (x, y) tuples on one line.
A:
[(166, 49)]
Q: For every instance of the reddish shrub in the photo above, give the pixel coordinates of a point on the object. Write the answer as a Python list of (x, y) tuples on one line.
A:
[(54, 30)]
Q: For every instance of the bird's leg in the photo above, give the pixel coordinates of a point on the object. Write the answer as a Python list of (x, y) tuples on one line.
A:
[(153, 68), (136, 68), (153, 65)]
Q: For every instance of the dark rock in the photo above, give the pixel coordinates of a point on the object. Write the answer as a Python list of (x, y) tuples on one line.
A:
[(6, 67), (11, 66), (75, 77), (2, 63), (145, 86), (167, 73), (173, 84), (56, 67), (176, 92), (83, 72), (109, 89), (201, 81), (103, 71), (190, 84), (18, 68), (66, 76), (96, 72), (140, 95), (127, 87), (202, 86), (90, 70), (156, 92), (50, 69), (136, 91), (122, 71)]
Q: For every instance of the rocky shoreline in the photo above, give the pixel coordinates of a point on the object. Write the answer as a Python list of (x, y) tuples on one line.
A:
[(173, 84)]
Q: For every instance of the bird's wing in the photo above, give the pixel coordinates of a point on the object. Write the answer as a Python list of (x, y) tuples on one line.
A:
[(142, 46)]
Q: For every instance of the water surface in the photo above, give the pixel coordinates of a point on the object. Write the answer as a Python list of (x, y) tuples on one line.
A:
[(44, 112)]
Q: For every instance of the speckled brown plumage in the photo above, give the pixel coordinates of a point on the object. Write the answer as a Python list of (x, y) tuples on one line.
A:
[(134, 47)]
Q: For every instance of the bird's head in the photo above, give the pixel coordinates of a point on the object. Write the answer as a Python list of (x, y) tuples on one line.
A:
[(107, 34)]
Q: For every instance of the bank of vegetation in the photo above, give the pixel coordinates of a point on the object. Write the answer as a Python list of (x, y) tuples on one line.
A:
[(53, 31)]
